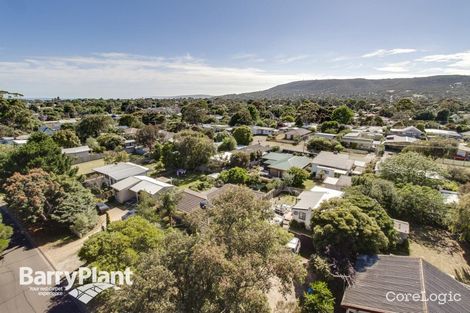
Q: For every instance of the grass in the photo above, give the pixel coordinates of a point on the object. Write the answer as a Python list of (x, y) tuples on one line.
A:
[(308, 184), (439, 248), (87, 167), (188, 180)]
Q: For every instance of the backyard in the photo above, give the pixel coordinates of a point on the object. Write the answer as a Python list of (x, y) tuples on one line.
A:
[(439, 248)]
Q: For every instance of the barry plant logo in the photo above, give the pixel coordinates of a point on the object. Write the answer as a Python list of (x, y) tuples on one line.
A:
[(89, 281)]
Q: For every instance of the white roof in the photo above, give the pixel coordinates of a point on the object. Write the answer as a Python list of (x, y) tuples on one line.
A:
[(401, 226), (330, 180), (141, 183), (444, 132), (331, 192), (20, 141), (76, 150), (120, 171)]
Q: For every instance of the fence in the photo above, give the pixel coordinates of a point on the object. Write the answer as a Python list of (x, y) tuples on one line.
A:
[(454, 162), (86, 158), (276, 192)]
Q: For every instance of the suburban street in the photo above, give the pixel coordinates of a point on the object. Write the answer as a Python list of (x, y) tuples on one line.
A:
[(15, 298)]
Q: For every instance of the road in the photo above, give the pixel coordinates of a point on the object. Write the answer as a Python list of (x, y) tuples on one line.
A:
[(15, 298)]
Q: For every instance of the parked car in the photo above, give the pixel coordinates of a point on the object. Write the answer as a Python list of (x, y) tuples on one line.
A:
[(294, 245), (282, 209), (102, 207), (129, 214)]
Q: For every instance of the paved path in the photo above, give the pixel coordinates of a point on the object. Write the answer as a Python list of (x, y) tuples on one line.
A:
[(15, 298)]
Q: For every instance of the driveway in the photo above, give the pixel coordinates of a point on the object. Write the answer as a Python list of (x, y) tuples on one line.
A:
[(15, 298)]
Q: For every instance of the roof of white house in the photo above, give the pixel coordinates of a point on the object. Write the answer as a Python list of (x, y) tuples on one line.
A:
[(406, 129), (76, 150), (401, 226), (122, 170), (313, 198), (334, 160), (141, 183), (442, 132), (398, 139)]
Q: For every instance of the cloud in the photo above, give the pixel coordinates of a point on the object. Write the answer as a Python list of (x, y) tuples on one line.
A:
[(289, 59), (460, 60), (399, 67), (115, 74), (250, 57), (384, 52)]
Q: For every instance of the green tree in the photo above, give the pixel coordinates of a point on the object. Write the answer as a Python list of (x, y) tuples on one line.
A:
[(46, 199), (111, 141), (323, 144), (111, 157), (299, 176), (188, 150), (242, 117), (235, 175), (243, 135), (330, 127), (93, 126), (130, 120), (421, 205), (342, 114), (66, 138), (228, 144), (15, 114), (121, 245), (5, 235), (382, 190), (148, 136), (340, 227), (411, 167), (320, 300), (240, 159), (39, 152), (459, 218), (195, 113)]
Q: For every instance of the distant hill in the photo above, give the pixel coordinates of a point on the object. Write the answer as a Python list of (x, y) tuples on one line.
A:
[(443, 86)]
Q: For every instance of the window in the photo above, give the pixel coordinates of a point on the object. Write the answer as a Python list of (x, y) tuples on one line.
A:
[(302, 216)]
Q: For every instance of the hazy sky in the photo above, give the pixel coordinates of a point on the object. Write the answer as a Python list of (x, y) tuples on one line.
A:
[(118, 48)]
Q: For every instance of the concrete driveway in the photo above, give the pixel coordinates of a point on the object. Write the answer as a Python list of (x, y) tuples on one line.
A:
[(15, 298)]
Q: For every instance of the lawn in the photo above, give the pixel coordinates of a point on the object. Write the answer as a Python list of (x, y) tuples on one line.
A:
[(87, 167), (439, 248), (308, 184), (188, 180)]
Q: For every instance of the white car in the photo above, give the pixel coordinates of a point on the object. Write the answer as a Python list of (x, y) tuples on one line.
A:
[(294, 245)]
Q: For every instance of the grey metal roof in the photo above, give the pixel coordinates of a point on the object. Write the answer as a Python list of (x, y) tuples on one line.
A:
[(76, 150), (295, 161), (120, 171), (335, 160), (378, 275)]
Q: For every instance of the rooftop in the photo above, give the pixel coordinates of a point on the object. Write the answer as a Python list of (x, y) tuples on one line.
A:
[(378, 275), (334, 160), (76, 150), (295, 161), (120, 171)]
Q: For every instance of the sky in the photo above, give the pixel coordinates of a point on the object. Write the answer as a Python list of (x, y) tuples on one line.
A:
[(139, 48)]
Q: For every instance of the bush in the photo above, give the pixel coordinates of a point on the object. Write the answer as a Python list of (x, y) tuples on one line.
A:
[(320, 300), (236, 175)]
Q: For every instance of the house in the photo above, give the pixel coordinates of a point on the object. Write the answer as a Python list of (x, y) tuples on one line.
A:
[(331, 164), (308, 201), (397, 143), (129, 188), (190, 200), (263, 131), (77, 153), (48, 129), (19, 142), (325, 135), (432, 132), (450, 197), (217, 127), (130, 145), (7, 140), (463, 152), (402, 228), (119, 171), (297, 134), (400, 284), (409, 131), (338, 183), (356, 140), (279, 163)]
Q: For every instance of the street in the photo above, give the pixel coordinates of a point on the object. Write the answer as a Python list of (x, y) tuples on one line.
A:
[(15, 298)]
